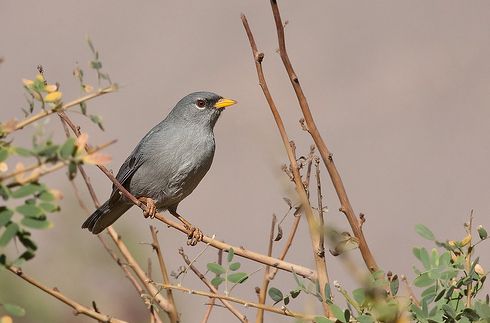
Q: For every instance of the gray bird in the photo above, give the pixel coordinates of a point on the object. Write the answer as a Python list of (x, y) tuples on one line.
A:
[(168, 163)]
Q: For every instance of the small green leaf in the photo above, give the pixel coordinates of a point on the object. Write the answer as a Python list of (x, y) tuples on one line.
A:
[(237, 278), (26, 190), (295, 292), (394, 285), (29, 210), (216, 281), (471, 314), (216, 268), (36, 223), (96, 65), (328, 291), (26, 242), (27, 255), (359, 295), (423, 280), (49, 207), (322, 319), (424, 232), (23, 152), (365, 319), (46, 196), (231, 253), (234, 266), (337, 312), (8, 234), (83, 108), (68, 148), (97, 120), (14, 310), (72, 170), (275, 294), (4, 153), (483, 310), (482, 232), (5, 215)]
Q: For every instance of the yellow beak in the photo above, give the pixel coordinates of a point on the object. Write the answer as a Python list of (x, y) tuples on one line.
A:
[(223, 103)]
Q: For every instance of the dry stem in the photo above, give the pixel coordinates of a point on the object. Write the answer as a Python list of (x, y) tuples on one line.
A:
[(327, 158)]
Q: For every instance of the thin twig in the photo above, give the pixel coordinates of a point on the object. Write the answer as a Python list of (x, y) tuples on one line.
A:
[(259, 318), (174, 317), (320, 264), (321, 247), (283, 310), (79, 309), (327, 158), (45, 113), (207, 314)]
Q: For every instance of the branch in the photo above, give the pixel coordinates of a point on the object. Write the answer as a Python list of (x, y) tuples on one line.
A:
[(79, 309), (283, 310), (327, 158), (45, 113), (174, 317), (213, 289), (313, 224), (267, 278)]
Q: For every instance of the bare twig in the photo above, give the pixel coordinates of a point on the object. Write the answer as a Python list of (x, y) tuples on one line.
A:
[(79, 309), (213, 289), (320, 264), (174, 317), (327, 158), (266, 280), (207, 314), (321, 247)]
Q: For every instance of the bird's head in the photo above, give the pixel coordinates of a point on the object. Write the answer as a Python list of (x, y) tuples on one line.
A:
[(201, 108)]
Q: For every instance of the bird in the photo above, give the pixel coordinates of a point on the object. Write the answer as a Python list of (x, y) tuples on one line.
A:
[(168, 163)]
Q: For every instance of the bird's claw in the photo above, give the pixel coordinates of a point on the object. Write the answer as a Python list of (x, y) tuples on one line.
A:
[(194, 236), (151, 208)]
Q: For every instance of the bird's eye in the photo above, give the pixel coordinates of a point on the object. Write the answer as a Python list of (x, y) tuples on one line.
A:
[(201, 103)]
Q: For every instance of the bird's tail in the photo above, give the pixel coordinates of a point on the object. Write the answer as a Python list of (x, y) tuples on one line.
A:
[(105, 215)]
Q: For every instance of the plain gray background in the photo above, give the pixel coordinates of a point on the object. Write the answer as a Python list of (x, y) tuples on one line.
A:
[(399, 89)]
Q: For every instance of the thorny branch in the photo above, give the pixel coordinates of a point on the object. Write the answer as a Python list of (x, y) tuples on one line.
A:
[(327, 157)]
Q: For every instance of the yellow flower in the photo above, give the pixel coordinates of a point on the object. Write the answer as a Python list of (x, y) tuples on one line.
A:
[(3, 167), (53, 97), (466, 240), (28, 83), (51, 88)]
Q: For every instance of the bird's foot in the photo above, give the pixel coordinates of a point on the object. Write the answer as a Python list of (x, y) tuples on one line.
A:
[(194, 235), (151, 208)]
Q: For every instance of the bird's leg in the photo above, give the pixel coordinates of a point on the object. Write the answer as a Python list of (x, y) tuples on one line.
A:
[(194, 235), (151, 208)]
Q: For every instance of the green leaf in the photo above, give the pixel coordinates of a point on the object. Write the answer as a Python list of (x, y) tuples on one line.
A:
[(83, 108), (337, 312), (275, 294), (68, 148), (72, 170), (440, 294), (483, 310), (471, 314), (46, 196), (27, 255), (237, 278), (8, 234), (231, 253), (14, 310), (216, 268), (394, 285), (4, 153), (23, 152), (5, 215), (328, 291), (31, 210), (295, 292), (482, 232), (423, 280), (449, 310), (424, 258), (365, 319), (26, 190), (97, 120), (322, 319), (49, 207), (27, 242), (286, 300), (36, 223), (424, 232), (234, 266), (359, 295), (96, 65), (216, 281)]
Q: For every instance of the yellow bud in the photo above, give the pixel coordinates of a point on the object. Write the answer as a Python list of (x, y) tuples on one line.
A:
[(3, 167), (39, 77), (27, 83), (479, 270), (88, 88), (466, 240), (51, 88), (452, 243), (57, 194), (53, 97), (6, 319)]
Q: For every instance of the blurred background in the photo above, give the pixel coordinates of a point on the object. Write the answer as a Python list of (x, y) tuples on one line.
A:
[(399, 90)]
